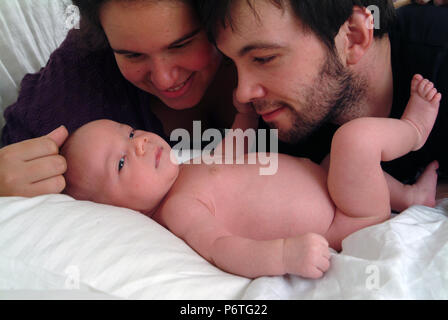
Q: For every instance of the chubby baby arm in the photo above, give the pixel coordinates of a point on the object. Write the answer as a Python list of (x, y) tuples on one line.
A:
[(194, 221), (307, 256)]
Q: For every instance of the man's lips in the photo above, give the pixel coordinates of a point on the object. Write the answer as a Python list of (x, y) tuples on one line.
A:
[(271, 115)]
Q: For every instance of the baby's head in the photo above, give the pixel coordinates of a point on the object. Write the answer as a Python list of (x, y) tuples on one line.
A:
[(111, 163)]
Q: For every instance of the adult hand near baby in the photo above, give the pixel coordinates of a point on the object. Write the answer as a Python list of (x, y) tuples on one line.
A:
[(33, 167)]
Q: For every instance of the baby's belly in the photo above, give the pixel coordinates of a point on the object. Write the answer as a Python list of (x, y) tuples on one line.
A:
[(289, 203)]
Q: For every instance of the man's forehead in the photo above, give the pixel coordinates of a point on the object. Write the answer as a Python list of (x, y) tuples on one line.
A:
[(250, 13), (257, 26)]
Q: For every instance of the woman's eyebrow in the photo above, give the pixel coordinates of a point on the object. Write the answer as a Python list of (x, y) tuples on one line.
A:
[(124, 51), (185, 37), (173, 44)]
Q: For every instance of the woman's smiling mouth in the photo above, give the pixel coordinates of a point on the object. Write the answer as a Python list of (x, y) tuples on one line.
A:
[(179, 90)]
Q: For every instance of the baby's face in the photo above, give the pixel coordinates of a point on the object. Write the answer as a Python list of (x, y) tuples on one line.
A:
[(121, 166)]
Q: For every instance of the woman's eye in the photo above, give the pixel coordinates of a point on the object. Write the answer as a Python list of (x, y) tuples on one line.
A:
[(264, 60), (121, 164)]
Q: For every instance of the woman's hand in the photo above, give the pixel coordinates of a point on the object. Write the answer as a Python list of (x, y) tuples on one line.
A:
[(33, 167)]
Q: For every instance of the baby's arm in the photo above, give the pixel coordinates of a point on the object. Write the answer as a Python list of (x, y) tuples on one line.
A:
[(195, 223)]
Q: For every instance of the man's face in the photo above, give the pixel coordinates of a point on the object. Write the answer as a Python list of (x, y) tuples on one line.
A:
[(289, 75)]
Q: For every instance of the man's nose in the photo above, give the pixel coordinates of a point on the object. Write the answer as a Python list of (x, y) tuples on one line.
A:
[(141, 145), (164, 75), (249, 89)]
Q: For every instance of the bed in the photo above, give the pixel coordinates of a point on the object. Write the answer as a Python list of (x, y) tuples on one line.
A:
[(55, 247)]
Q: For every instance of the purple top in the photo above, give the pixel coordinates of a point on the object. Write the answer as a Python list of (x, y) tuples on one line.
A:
[(76, 86)]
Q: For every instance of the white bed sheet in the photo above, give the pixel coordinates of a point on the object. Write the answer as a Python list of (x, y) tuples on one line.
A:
[(30, 30), (53, 244)]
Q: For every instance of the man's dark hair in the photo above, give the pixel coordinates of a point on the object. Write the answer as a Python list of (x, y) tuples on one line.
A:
[(323, 17)]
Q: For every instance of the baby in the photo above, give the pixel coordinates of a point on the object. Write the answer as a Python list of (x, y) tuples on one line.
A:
[(245, 223)]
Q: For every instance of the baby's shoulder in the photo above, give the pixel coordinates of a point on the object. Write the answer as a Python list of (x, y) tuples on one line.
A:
[(179, 212), (186, 204)]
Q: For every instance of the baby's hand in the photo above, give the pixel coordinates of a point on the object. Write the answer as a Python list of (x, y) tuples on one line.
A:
[(307, 256)]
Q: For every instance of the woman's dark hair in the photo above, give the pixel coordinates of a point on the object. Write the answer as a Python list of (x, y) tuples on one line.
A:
[(323, 17), (90, 25)]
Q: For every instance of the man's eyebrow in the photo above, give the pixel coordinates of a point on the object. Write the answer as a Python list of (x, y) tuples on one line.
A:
[(171, 45), (258, 46)]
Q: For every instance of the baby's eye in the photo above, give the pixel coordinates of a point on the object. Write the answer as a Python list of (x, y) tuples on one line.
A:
[(121, 164), (132, 134)]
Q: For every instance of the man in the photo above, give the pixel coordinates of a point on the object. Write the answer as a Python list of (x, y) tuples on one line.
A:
[(309, 66)]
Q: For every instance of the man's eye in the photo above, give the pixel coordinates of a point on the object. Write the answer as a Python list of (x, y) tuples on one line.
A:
[(121, 164), (264, 60)]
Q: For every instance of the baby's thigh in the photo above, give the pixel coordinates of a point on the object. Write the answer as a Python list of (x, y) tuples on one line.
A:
[(343, 225)]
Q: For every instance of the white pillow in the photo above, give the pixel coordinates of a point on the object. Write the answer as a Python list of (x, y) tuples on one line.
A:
[(30, 30), (53, 242)]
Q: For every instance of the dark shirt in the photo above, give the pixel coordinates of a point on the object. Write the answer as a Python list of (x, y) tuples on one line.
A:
[(419, 42), (78, 85)]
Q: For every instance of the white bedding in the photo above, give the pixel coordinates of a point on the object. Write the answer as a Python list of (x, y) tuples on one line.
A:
[(30, 30), (55, 247)]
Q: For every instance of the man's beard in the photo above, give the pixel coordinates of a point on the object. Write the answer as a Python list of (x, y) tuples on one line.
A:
[(333, 97)]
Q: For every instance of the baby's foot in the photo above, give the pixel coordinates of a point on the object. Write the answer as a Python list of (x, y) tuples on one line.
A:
[(423, 192), (422, 108)]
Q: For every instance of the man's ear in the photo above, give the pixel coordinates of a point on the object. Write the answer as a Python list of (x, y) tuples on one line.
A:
[(359, 30)]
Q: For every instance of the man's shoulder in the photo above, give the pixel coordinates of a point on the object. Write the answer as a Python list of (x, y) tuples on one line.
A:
[(422, 25)]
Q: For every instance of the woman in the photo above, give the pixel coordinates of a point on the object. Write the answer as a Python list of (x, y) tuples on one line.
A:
[(144, 63)]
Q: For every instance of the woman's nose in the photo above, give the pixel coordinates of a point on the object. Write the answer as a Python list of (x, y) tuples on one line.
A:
[(141, 144), (164, 74)]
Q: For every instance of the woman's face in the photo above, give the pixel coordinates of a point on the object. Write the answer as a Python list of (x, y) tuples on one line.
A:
[(160, 48)]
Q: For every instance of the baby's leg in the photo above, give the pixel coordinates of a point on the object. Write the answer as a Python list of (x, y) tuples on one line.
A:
[(356, 181), (423, 192)]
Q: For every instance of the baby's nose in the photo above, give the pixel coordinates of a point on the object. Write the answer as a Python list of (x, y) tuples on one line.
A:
[(141, 145)]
